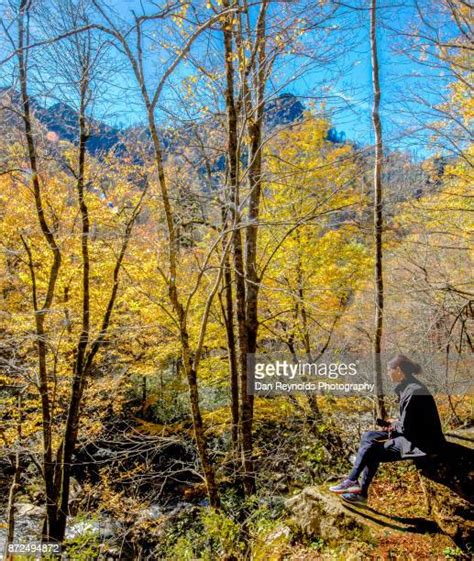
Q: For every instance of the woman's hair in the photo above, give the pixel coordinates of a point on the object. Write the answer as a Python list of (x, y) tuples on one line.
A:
[(407, 366)]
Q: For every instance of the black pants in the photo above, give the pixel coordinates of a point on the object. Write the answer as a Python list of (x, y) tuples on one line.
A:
[(370, 454)]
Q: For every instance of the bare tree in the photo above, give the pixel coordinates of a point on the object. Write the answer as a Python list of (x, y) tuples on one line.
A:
[(151, 96), (57, 464), (378, 213)]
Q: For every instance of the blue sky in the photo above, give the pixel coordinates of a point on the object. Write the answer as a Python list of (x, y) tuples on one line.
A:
[(401, 77), (342, 86), (345, 87)]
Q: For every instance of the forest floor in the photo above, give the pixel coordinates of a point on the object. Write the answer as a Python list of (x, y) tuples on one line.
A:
[(396, 527), (126, 495), (299, 456)]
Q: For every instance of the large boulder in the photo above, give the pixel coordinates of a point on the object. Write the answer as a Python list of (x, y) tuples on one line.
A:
[(448, 482), (318, 513)]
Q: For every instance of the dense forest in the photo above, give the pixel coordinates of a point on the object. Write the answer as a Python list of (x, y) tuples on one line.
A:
[(187, 184)]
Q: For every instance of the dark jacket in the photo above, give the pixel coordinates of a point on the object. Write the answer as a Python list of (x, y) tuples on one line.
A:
[(418, 430)]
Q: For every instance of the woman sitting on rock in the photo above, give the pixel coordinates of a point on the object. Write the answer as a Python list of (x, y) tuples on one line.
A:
[(416, 433)]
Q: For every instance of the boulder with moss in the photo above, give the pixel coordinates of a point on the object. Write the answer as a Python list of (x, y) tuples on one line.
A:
[(318, 513)]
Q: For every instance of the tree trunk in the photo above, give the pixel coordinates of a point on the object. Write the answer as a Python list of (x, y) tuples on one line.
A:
[(254, 115), (198, 427), (40, 313), (64, 463), (228, 314), (233, 173), (241, 288), (11, 506), (311, 398), (378, 214), (14, 485), (189, 370)]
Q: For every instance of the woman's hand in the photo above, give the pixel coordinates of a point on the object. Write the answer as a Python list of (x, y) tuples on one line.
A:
[(390, 427)]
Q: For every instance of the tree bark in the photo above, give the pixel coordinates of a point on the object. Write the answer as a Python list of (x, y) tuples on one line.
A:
[(57, 472), (237, 247), (40, 313), (228, 315), (150, 102), (189, 369), (378, 214), (64, 461), (15, 484), (247, 295), (311, 398), (229, 216)]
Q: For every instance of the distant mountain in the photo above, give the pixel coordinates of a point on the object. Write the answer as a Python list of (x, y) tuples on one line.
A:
[(283, 110), (62, 119)]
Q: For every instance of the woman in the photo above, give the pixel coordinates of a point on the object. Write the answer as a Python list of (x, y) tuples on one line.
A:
[(416, 433)]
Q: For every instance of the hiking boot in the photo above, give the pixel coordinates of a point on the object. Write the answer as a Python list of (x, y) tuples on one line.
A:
[(346, 486), (354, 498)]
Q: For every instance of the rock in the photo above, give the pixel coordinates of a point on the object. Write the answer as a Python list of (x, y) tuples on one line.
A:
[(82, 527), (104, 454), (28, 521), (105, 529), (274, 545), (318, 514), (281, 532), (453, 514), (28, 510), (448, 482), (75, 494), (157, 522), (152, 512), (75, 489), (181, 508)]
